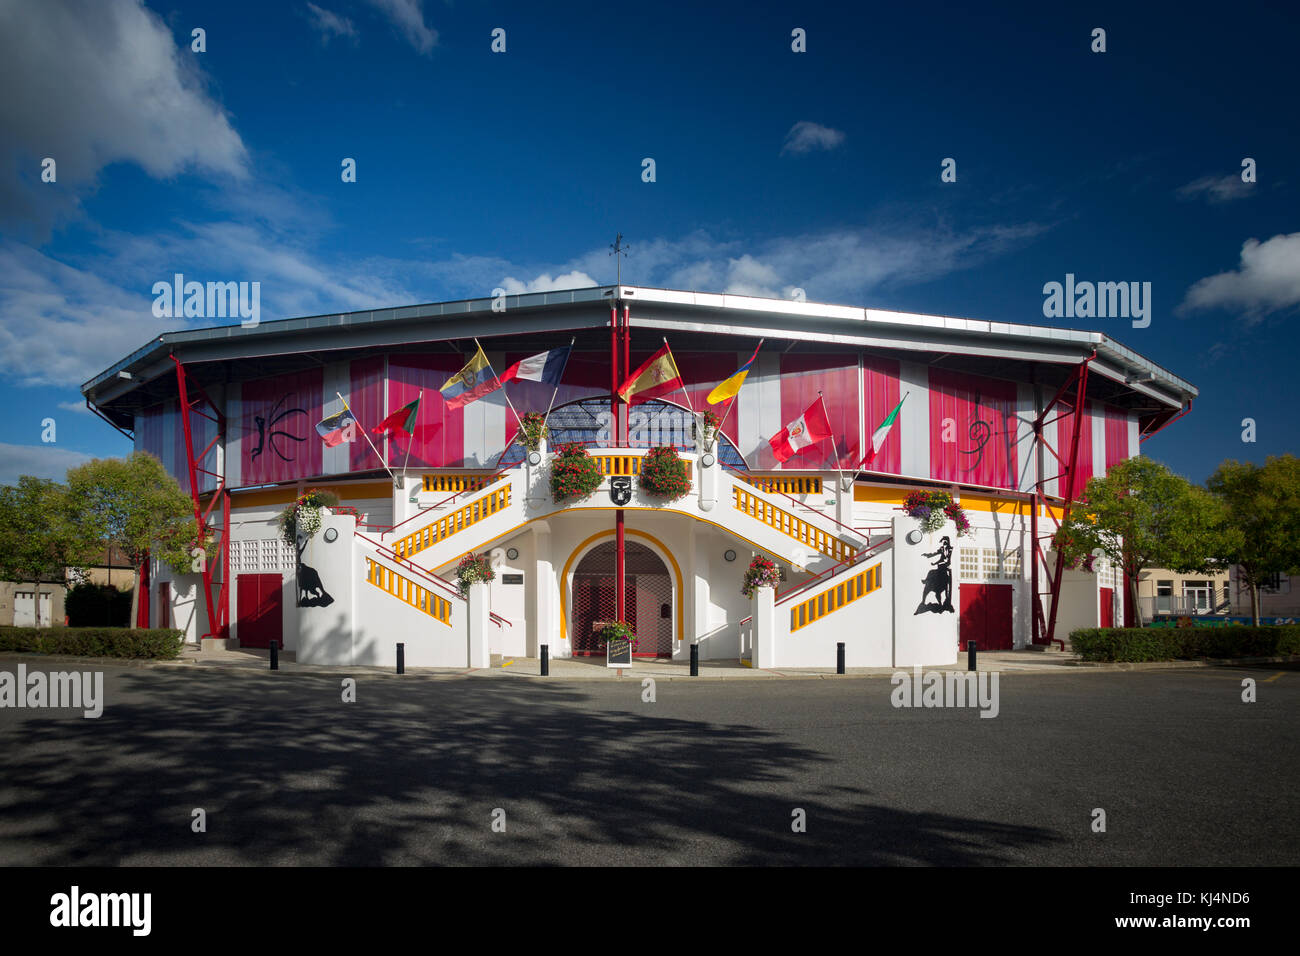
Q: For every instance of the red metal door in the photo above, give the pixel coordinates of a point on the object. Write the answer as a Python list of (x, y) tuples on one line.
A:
[(647, 591), (1107, 607), (997, 621), (259, 603), (986, 616), (971, 626)]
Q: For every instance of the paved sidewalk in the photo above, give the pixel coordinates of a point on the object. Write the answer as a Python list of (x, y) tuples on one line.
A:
[(1022, 661)]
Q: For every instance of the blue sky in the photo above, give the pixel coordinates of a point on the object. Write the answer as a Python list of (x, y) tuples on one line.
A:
[(774, 170)]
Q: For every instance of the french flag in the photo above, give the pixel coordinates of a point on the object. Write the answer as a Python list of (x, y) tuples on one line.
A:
[(543, 367)]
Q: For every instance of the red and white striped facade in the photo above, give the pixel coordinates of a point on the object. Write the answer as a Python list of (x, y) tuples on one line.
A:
[(988, 415)]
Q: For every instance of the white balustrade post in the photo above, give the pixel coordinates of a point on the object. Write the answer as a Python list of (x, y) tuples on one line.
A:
[(480, 655), (764, 605), (535, 485)]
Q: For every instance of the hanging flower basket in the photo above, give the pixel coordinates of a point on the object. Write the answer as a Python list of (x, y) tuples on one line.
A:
[(473, 568), (303, 517), (532, 429), (574, 473), (663, 474), (933, 509), (761, 573)]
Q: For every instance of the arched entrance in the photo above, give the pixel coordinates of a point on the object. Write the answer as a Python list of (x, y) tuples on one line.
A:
[(648, 600)]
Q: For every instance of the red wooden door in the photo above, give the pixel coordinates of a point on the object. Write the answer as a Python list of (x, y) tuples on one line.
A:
[(1107, 607), (986, 616), (259, 602)]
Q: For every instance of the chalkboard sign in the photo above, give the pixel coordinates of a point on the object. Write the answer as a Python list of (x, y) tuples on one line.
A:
[(512, 579), (618, 654)]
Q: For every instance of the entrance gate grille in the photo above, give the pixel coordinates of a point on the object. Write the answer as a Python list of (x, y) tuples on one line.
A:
[(648, 599)]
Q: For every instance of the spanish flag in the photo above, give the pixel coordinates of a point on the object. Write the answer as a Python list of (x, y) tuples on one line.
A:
[(472, 382), (731, 386), (658, 376)]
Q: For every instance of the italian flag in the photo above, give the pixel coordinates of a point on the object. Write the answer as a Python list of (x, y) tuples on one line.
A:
[(881, 433)]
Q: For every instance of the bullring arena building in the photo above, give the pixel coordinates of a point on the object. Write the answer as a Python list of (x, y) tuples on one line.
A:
[(1011, 420)]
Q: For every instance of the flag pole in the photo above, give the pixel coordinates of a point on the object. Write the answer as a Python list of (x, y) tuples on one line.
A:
[(410, 439), (735, 398), (838, 471), (557, 383), (368, 441), (871, 452), (500, 384), (682, 386)]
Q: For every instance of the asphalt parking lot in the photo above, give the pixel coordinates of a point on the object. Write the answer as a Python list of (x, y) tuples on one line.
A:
[(418, 768)]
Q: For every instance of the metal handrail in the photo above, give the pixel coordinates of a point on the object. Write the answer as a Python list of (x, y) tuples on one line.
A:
[(867, 552), (796, 502), (406, 565)]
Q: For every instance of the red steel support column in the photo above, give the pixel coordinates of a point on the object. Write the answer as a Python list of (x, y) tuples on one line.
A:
[(1079, 411), (613, 370), (142, 601), (1034, 607), (627, 370), (216, 624), (620, 564)]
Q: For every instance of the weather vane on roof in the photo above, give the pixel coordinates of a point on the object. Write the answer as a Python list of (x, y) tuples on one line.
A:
[(619, 250)]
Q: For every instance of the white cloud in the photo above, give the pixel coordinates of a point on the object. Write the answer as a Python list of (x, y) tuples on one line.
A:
[(1216, 189), (408, 17), (93, 83), (1268, 280), (804, 137), (330, 24), (61, 323), (544, 283), (39, 461), (79, 407)]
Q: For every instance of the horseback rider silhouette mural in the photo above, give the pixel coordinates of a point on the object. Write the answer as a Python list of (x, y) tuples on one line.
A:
[(311, 592), (938, 581)]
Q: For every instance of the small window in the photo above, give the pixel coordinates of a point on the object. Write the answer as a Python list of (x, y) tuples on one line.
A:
[(1165, 588)]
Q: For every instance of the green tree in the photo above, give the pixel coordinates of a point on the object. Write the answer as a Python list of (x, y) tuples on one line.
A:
[(135, 505), (37, 539), (1263, 517), (1141, 515)]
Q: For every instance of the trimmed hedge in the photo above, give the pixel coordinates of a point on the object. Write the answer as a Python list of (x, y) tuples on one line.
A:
[(97, 606), (158, 643), (1183, 643)]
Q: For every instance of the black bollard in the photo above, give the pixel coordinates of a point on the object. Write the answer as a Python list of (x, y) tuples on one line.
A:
[(401, 658), (275, 655), (970, 655), (546, 659), (839, 658), (695, 660)]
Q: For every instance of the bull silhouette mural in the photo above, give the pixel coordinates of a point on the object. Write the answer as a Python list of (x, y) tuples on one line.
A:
[(938, 581)]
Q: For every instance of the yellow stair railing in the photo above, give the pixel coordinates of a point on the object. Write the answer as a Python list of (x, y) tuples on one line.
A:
[(786, 484), (466, 516), (458, 483), (618, 464), (796, 528), (404, 589), (832, 599)]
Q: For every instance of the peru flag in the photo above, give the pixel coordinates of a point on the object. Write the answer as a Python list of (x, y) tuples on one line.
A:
[(808, 429)]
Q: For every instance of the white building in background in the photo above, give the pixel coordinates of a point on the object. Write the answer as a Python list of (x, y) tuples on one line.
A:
[(988, 416)]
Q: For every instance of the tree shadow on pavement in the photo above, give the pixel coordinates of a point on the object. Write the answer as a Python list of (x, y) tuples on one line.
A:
[(411, 774)]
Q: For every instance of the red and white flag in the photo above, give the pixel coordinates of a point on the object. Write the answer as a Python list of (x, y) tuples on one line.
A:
[(808, 429)]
